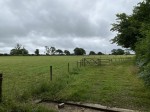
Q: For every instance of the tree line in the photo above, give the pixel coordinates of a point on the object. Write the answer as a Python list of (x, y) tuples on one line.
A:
[(133, 31), (22, 51)]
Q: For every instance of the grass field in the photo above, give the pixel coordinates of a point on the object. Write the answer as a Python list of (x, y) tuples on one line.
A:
[(115, 85)]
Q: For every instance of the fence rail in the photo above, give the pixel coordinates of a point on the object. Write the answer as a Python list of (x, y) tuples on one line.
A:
[(99, 61)]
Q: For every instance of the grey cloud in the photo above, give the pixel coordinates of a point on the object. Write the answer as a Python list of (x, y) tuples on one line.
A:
[(49, 18), (36, 23)]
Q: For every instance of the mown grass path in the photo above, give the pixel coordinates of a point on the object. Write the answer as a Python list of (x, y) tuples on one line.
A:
[(115, 85)]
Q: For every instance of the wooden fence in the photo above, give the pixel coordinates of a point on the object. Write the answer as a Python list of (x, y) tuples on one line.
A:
[(99, 61)]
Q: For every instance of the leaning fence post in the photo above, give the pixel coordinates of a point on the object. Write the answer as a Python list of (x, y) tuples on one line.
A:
[(1, 78), (51, 73)]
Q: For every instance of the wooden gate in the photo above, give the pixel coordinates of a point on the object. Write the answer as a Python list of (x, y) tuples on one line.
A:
[(94, 61)]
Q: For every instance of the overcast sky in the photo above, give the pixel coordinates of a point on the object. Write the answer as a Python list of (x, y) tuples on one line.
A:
[(63, 24)]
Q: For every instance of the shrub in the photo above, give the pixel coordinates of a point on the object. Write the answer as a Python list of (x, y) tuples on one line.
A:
[(143, 57)]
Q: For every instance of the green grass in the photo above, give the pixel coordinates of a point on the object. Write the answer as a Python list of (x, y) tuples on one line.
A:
[(11, 106), (114, 85)]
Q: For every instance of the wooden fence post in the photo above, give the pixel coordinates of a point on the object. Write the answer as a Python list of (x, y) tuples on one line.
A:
[(51, 73), (77, 64), (100, 63), (84, 62), (97, 61), (111, 60), (68, 67), (1, 79)]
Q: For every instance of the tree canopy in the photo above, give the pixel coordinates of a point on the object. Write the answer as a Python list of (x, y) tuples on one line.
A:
[(100, 53), (50, 50), (117, 52), (18, 50), (92, 53), (59, 51), (66, 52), (79, 51), (128, 27), (36, 52)]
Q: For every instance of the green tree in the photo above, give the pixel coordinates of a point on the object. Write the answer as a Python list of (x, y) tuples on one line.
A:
[(47, 50), (117, 52), (59, 51), (79, 51), (50, 50), (13, 52), (92, 53), (66, 52), (37, 52), (128, 27), (128, 31), (18, 50), (100, 53), (114, 52), (23, 51), (53, 50)]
